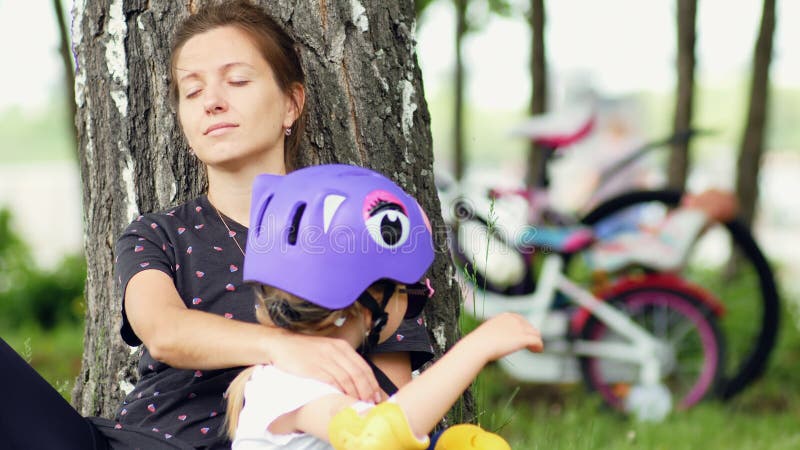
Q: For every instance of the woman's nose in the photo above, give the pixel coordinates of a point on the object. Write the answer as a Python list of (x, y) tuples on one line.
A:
[(214, 101)]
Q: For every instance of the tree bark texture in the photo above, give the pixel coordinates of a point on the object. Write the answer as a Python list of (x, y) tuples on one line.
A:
[(752, 145), (538, 101), (679, 158), (365, 103)]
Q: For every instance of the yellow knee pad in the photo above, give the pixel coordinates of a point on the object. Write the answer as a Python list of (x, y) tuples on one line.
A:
[(384, 427), (470, 437)]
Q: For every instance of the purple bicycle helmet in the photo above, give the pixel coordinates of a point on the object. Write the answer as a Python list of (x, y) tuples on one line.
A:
[(326, 233)]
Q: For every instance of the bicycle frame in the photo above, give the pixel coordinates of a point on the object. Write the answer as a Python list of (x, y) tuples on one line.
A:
[(558, 362)]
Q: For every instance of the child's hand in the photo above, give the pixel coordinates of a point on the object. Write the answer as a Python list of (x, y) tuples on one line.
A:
[(505, 334)]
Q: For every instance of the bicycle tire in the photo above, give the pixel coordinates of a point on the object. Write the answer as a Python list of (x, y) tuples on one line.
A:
[(673, 312), (754, 358)]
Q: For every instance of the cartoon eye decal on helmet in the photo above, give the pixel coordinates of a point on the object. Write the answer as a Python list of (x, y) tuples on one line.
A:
[(386, 219)]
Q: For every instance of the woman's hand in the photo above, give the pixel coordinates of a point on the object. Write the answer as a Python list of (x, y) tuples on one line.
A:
[(504, 334), (332, 361)]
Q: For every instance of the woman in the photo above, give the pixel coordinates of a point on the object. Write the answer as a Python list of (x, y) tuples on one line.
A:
[(237, 85)]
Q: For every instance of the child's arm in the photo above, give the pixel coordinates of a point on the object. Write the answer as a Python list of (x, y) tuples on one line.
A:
[(427, 398)]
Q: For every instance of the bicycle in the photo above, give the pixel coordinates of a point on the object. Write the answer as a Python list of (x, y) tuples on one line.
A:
[(647, 345), (748, 350)]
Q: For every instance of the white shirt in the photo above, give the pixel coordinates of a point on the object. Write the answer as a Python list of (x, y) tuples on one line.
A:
[(271, 393)]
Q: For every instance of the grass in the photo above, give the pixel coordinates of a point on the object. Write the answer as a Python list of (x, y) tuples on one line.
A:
[(764, 416), (55, 354), (557, 417), (35, 136)]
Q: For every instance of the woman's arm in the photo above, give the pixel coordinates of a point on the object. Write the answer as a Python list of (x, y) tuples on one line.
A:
[(185, 338)]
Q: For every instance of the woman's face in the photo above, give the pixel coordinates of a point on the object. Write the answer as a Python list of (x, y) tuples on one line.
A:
[(230, 108)]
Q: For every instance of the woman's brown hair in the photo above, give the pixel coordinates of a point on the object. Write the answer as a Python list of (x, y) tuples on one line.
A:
[(275, 45)]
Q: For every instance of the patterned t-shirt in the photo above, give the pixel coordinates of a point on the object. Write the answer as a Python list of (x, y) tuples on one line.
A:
[(192, 245)]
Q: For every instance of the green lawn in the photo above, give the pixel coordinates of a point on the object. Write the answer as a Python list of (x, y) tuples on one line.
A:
[(55, 354), (765, 416), (560, 417), (35, 136)]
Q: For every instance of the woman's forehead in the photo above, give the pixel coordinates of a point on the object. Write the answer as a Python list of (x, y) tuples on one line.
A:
[(218, 49)]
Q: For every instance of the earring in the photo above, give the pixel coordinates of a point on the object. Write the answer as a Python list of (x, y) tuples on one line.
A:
[(191, 151), (288, 131)]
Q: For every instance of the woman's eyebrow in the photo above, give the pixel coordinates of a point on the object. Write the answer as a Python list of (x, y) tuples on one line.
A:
[(231, 65), (187, 76), (223, 69)]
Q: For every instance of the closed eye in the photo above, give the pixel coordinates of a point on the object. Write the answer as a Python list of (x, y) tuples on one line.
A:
[(193, 93)]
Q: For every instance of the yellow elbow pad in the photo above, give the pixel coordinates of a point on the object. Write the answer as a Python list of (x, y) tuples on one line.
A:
[(470, 437), (383, 428)]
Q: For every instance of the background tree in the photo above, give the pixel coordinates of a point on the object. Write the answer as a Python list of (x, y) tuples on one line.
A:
[(468, 20), (365, 104), (679, 158), (752, 144), (65, 52), (538, 70)]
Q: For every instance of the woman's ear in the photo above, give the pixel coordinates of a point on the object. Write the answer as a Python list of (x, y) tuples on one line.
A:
[(297, 101)]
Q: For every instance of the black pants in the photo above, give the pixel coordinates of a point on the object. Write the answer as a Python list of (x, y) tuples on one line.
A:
[(34, 416)]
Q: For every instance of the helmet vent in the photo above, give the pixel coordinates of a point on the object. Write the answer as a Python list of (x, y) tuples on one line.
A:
[(295, 227), (260, 216)]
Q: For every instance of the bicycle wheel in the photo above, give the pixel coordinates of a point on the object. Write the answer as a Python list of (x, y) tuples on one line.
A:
[(692, 351), (752, 315)]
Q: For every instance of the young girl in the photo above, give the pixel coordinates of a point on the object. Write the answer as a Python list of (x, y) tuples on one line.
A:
[(336, 251)]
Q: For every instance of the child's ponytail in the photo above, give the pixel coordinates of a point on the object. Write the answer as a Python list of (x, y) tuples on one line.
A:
[(235, 396)]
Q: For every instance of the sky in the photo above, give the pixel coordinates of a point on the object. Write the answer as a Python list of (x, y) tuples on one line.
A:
[(29, 49), (623, 46)]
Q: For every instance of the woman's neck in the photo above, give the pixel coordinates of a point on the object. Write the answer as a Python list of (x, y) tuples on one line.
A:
[(230, 191)]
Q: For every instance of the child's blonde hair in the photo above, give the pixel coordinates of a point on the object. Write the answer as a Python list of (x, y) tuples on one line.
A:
[(278, 308)]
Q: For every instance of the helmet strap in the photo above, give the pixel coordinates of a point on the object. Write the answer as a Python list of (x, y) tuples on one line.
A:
[(379, 316)]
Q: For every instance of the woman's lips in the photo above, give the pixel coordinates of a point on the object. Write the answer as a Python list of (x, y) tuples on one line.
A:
[(219, 128)]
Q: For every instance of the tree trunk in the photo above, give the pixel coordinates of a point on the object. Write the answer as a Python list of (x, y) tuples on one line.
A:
[(69, 72), (538, 101), (679, 158), (365, 103), (459, 162), (752, 146)]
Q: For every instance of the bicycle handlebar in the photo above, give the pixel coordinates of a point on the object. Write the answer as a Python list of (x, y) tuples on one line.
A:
[(676, 138)]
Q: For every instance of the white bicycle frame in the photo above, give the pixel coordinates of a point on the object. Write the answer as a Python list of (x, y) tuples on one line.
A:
[(558, 362)]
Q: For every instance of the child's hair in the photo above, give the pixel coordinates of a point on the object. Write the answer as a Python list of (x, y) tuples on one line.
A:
[(275, 307), (284, 310)]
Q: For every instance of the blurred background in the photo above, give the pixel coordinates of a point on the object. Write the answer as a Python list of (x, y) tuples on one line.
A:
[(619, 57)]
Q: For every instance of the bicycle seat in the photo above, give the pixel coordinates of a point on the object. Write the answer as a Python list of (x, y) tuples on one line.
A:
[(557, 129), (565, 240)]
